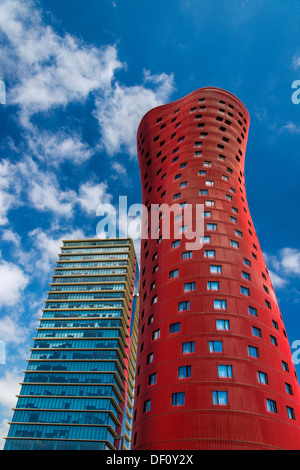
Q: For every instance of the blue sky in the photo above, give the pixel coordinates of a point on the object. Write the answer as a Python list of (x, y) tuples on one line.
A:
[(79, 76)]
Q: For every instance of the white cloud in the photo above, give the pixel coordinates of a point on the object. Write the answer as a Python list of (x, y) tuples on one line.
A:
[(92, 195), (49, 70), (52, 70), (59, 147), (9, 235), (291, 127), (277, 281), (121, 111), (283, 266), (9, 190), (46, 248), (9, 387), (290, 260), (4, 428), (11, 332), (13, 282)]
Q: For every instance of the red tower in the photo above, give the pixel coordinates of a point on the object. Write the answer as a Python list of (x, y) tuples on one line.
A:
[(214, 366)]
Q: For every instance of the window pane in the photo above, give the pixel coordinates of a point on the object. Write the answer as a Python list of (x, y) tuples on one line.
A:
[(178, 399), (188, 347)]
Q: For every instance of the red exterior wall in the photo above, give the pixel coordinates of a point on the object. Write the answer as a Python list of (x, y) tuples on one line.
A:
[(245, 421)]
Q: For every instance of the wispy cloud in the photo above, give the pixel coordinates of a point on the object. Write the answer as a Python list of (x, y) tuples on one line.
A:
[(56, 148), (119, 114), (13, 281), (290, 127), (49, 69), (284, 266)]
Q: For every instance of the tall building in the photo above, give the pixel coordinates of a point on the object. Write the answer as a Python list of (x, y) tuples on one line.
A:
[(214, 366), (77, 392)]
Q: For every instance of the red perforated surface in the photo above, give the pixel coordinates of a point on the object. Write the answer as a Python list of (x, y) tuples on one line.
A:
[(245, 422)]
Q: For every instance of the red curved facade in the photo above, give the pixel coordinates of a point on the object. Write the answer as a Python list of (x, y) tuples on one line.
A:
[(214, 366)]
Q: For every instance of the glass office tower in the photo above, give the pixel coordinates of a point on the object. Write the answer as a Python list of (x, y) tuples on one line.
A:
[(78, 387)]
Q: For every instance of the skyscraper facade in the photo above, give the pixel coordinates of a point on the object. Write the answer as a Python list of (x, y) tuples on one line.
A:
[(77, 392), (214, 365)]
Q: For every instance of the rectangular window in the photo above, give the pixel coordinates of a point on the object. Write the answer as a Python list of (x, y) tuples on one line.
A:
[(246, 276), (253, 311), (268, 304), (220, 398), (202, 172), (189, 286), (187, 255), (182, 229), (215, 269), (174, 327), (177, 196), (234, 243), (215, 346), (154, 300), (233, 219), (253, 351), (209, 253), (209, 203), (178, 399), (155, 335), (212, 285), (182, 306), (271, 406), (183, 184), (245, 290), (174, 273), (147, 406), (211, 226), (225, 371), (220, 304), (205, 239), (285, 366), (188, 347), (274, 340), (184, 372), (247, 262), (152, 379), (175, 244), (288, 389), (275, 324), (256, 331), (206, 214), (209, 183), (222, 325), (290, 412), (203, 192), (238, 233), (262, 377), (177, 177), (150, 358)]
